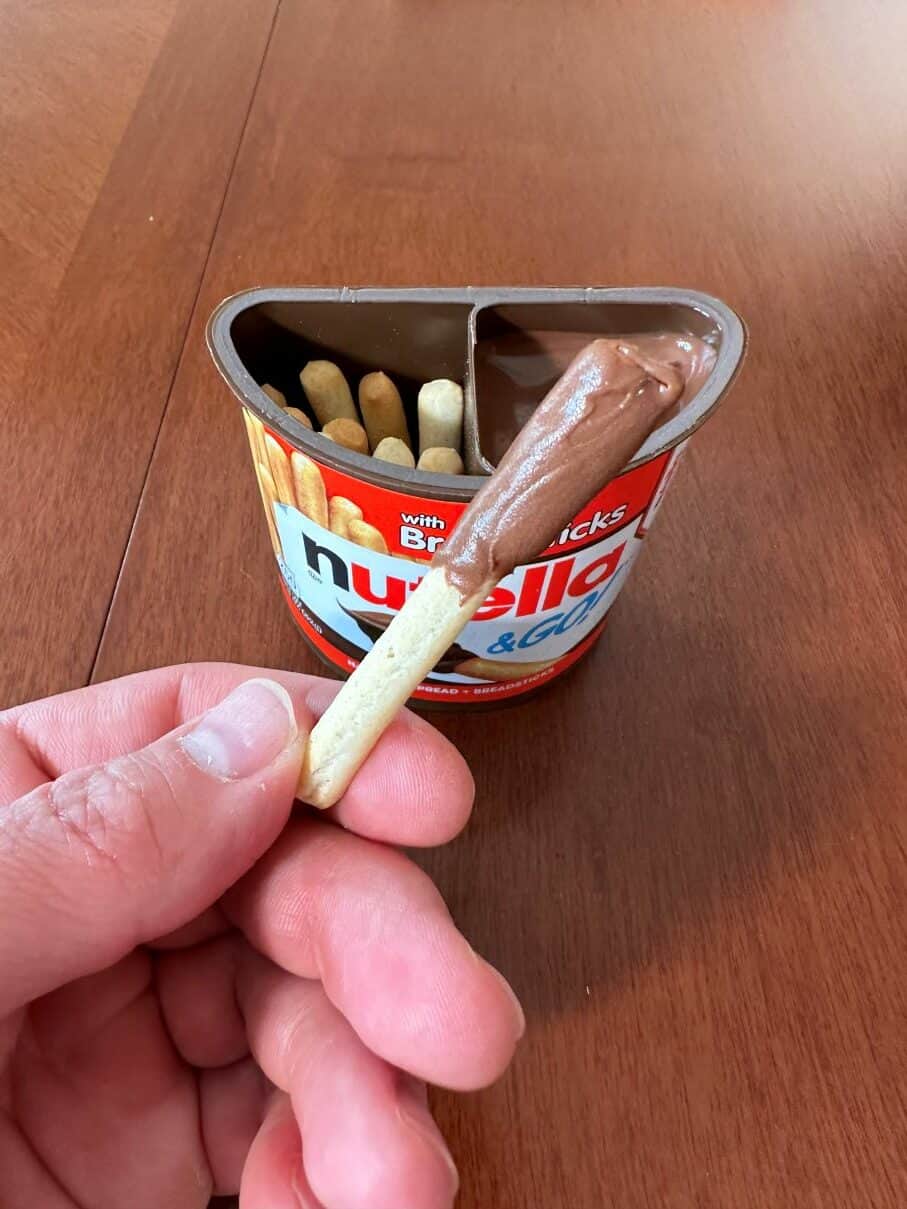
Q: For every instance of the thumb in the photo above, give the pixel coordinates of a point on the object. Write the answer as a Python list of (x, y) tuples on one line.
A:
[(107, 857)]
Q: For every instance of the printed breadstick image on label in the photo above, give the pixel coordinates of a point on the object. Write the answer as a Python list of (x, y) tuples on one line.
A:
[(269, 499), (392, 449), (279, 462), (340, 512), (364, 534), (310, 494)]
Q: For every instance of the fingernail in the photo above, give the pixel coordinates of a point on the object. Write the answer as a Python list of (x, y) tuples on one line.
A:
[(517, 1007), (507, 988), (245, 733), (416, 1121)]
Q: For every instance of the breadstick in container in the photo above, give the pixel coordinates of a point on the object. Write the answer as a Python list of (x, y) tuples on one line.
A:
[(348, 433), (438, 460), (328, 392), (299, 416), (440, 408), (392, 449), (382, 410), (275, 395)]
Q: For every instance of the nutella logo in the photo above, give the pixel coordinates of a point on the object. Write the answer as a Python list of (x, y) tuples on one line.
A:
[(538, 588), (546, 586)]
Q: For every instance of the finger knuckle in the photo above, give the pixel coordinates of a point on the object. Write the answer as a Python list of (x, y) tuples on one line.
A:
[(106, 815)]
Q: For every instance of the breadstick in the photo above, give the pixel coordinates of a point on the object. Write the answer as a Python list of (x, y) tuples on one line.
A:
[(440, 461), (280, 470), (392, 449), (299, 416), (275, 395), (440, 409), (497, 669), (405, 653), (348, 433), (311, 498), (268, 496), (382, 410), (340, 512), (580, 436), (366, 535), (328, 392)]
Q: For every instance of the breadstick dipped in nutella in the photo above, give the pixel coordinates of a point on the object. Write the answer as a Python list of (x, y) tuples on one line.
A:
[(580, 436)]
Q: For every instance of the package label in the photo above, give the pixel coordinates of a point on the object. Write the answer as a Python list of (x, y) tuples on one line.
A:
[(349, 558)]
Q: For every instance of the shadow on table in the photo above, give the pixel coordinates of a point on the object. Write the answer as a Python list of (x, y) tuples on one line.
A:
[(613, 817)]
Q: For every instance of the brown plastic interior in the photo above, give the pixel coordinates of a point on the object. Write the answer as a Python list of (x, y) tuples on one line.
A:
[(413, 342)]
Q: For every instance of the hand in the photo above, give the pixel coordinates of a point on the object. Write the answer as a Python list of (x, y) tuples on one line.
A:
[(198, 995)]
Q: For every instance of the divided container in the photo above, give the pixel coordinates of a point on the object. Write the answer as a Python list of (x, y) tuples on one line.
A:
[(546, 615)]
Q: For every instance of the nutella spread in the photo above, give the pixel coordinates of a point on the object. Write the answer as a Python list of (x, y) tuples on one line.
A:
[(515, 369), (578, 438)]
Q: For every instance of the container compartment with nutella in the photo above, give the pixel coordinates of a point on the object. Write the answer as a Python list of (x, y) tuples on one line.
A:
[(354, 533)]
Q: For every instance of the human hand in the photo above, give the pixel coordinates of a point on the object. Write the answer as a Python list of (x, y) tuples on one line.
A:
[(198, 995)]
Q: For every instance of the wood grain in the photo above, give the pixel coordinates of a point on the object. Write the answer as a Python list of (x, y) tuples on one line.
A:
[(70, 78), (80, 426), (689, 856)]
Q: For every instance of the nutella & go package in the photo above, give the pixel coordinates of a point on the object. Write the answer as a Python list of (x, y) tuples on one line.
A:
[(353, 534)]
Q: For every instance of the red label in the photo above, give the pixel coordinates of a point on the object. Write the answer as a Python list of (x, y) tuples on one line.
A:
[(415, 526)]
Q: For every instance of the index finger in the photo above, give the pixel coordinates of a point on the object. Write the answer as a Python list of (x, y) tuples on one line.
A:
[(414, 789)]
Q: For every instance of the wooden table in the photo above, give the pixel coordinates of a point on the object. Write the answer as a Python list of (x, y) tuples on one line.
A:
[(689, 857)]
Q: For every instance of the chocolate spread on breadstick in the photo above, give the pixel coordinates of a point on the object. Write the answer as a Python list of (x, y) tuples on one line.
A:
[(582, 434), (585, 430), (515, 368)]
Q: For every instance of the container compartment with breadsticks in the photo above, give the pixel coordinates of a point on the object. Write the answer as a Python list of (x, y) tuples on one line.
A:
[(373, 418)]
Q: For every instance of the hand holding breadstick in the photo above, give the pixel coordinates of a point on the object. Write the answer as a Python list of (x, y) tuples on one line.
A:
[(583, 433), (440, 408), (382, 410), (280, 470), (328, 392)]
